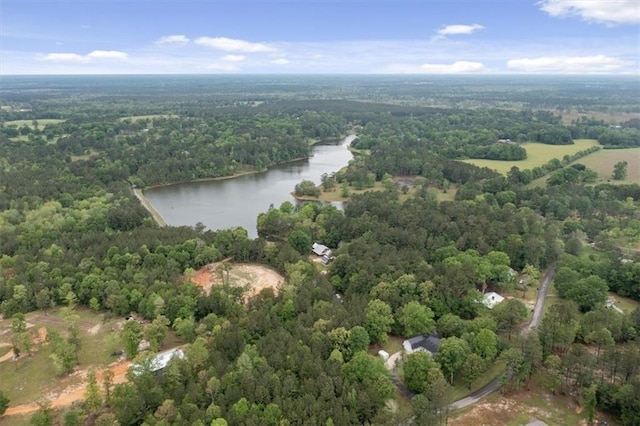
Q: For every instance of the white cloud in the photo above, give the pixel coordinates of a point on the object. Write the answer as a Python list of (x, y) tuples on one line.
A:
[(90, 57), (234, 45), (459, 29), (280, 61), (568, 64), (177, 39), (602, 11), (65, 57), (107, 54), (457, 67), (234, 58)]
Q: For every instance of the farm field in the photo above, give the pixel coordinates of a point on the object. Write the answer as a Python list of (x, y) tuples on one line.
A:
[(537, 155), (136, 118), (29, 123), (604, 160)]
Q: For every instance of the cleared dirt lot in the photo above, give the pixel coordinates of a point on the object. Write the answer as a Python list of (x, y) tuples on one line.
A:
[(253, 278)]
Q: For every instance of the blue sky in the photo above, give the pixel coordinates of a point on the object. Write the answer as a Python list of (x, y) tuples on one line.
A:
[(319, 36)]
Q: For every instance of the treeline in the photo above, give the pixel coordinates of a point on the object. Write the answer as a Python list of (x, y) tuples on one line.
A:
[(454, 134), (624, 134)]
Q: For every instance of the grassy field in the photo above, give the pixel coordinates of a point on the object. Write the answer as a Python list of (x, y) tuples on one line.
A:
[(29, 123), (32, 377), (624, 303), (537, 155), (335, 196), (603, 161)]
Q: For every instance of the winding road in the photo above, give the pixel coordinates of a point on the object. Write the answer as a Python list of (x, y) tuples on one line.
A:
[(495, 384)]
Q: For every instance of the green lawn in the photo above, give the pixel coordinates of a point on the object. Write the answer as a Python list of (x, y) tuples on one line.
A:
[(29, 123), (460, 390), (624, 303), (537, 155)]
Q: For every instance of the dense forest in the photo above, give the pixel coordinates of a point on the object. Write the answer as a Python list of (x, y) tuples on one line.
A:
[(72, 233)]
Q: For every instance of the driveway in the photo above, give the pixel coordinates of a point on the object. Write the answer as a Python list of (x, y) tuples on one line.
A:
[(496, 383)]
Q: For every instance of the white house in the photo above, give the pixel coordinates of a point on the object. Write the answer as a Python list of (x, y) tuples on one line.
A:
[(421, 343), (491, 299), (159, 362), (319, 249)]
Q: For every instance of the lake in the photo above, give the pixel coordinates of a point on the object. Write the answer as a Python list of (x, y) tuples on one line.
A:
[(228, 203)]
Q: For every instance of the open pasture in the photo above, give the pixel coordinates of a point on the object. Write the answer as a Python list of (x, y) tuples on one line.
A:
[(538, 154), (603, 161), (29, 123)]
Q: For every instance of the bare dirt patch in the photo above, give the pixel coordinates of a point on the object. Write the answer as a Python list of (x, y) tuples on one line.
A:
[(253, 278), (73, 393)]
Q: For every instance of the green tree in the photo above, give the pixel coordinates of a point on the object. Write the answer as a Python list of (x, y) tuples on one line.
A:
[(416, 369), (559, 327), (92, 396), (588, 292), (42, 417), (452, 353), (358, 339), (485, 344), (378, 320), (300, 240), (43, 300), (4, 403), (588, 398), (450, 325), (131, 337), (156, 332), (416, 319), (620, 170), (472, 368), (517, 368), (509, 315)]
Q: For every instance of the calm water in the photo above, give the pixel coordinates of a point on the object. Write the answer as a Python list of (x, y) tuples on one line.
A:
[(220, 204)]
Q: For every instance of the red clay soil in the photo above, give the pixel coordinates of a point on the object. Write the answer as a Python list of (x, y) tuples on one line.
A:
[(74, 393), (254, 278)]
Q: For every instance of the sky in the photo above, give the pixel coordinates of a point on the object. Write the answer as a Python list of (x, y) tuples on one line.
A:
[(319, 36)]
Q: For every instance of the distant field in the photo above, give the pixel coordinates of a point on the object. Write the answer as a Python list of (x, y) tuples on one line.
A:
[(136, 118), (603, 161), (616, 117), (29, 123), (537, 155)]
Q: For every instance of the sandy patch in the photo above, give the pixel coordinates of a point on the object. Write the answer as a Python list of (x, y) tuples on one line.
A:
[(74, 393), (94, 329), (253, 278)]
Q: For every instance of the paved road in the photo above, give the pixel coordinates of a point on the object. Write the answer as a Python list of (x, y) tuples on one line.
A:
[(495, 384), (542, 295)]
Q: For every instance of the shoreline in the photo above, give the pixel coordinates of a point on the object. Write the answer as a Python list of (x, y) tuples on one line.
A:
[(351, 137), (155, 214), (157, 217)]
